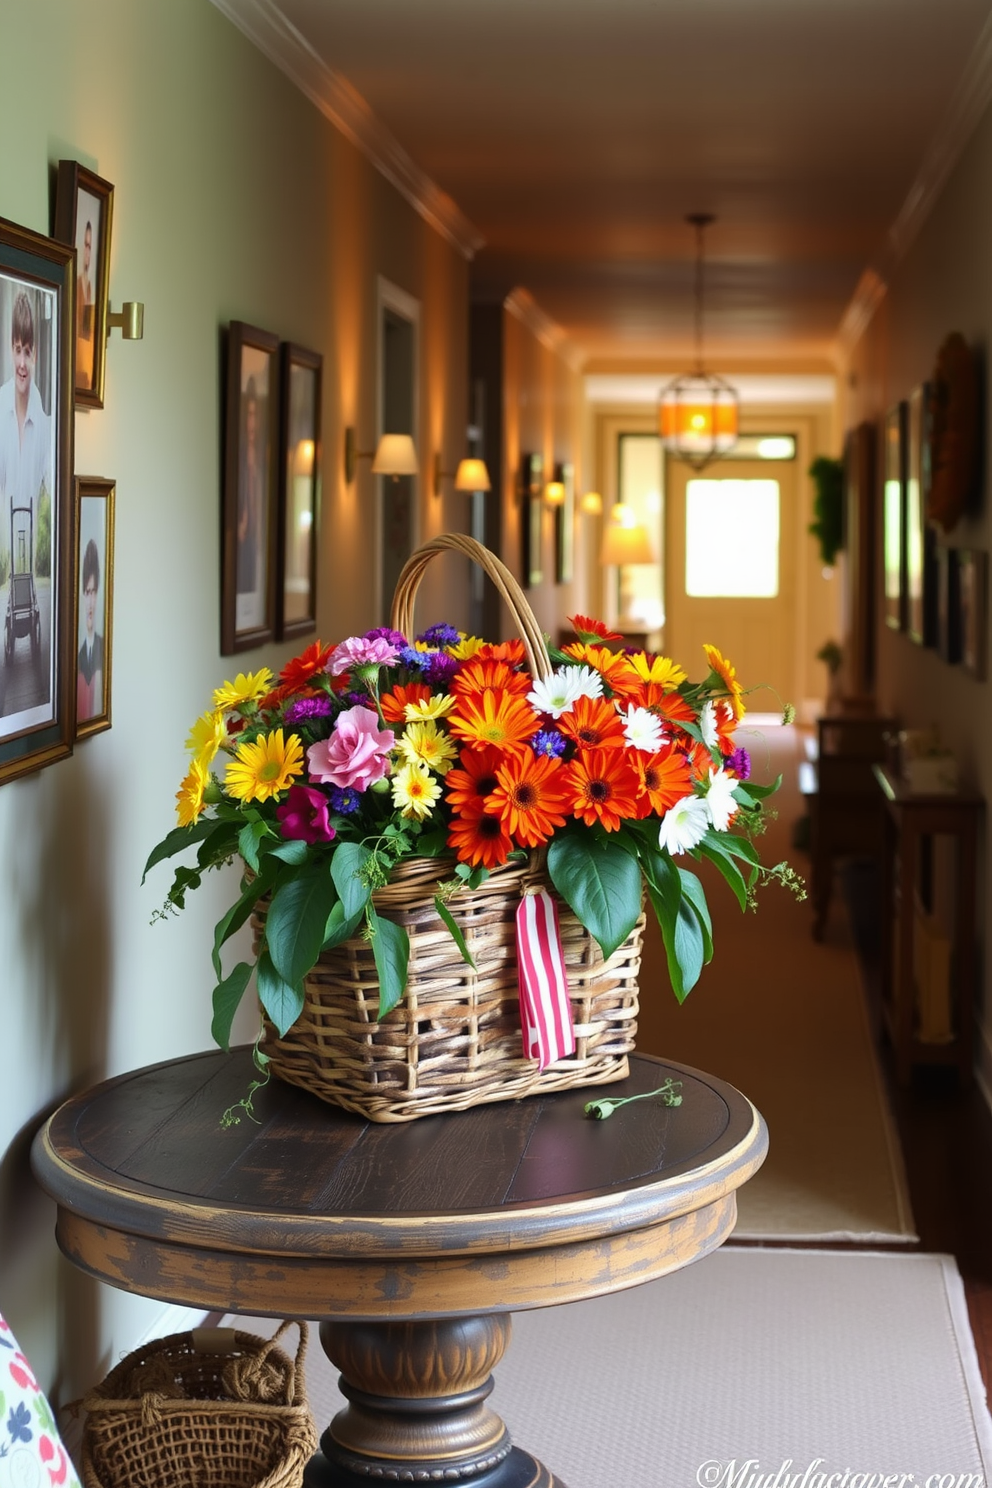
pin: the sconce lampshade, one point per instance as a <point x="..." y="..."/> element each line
<point x="554" y="493"/>
<point x="623" y="545"/>
<point x="395" y="455"/>
<point x="592" y="502"/>
<point x="472" y="475"/>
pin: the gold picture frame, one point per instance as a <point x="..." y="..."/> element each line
<point x="94" y="580"/>
<point x="84" y="210"/>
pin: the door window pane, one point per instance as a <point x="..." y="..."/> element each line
<point x="731" y="539"/>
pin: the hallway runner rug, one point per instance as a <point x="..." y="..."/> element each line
<point x="785" y="1019"/>
<point x="752" y="1367"/>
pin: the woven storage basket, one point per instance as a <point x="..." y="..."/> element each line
<point x="215" y="1408"/>
<point x="454" y="1041"/>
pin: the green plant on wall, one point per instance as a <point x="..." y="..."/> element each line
<point x="828" y="506"/>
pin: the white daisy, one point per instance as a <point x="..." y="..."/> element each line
<point x="707" y="724"/>
<point x="642" y="729"/>
<point x="684" y="825"/>
<point x="589" y="683"/>
<point x="559" y="693"/>
<point x="719" y="799"/>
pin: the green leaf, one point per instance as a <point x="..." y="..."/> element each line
<point x="293" y="851"/>
<point x="338" y="927"/>
<point x="248" y="840"/>
<point x="235" y="917"/>
<point x="227" y="996"/>
<point x="761" y="791"/>
<point x="456" y="933"/>
<point x="735" y="847"/>
<point x="727" y="867"/>
<point x="346" y="866"/>
<point x="282" y="1003"/>
<point x="695" y="894"/>
<point x="681" y="931"/>
<point x="433" y="844"/>
<point x="296" y="922"/>
<point x="601" y="882"/>
<point x="178" y="839"/>
<point x="391" y="949"/>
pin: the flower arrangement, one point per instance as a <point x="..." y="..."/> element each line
<point x="376" y="750"/>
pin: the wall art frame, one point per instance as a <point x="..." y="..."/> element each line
<point x="532" y="519"/>
<point x="921" y="538"/>
<point x="37" y="512"/>
<point x="301" y="378"/>
<point x="94" y="587"/>
<point x="249" y="506"/>
<point x="973" y="587"/>
<point x="84" y="210"/>
<point x="894" y="550"/>
<point x="948" y="606"/>
<point x="565" y="525"/>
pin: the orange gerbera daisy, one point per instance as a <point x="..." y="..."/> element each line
<point x="473" y="779"/>
<point x="496" y="718"/>
<point x="605" y="787"/>
<point x="726" y="724"/>
<point x="665" y="778"/>
<point x="306" y="665"/>
<point x="481" y="671"/>
<point x="594" y="723"/>
<point x="479" y="837"/>
<point x="393" y="704"/>
<point x="613" y="666"/>
<point x="587" y="629"/>
<point x="728" y="676"/>
<point x="514" y="652"/>
<point x="532" y="797"/>
<point x="671" y="706"/>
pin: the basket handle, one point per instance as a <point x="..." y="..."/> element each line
<point x="295" y="1365"/>
<point x="407" y="584"/>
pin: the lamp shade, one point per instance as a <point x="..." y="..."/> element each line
<point x="472" y="475"/>
<point x="592" y="502"/>
<point x="623" y="545"/>
<point x="554" y="493"/>
<point x="396" y="455"/>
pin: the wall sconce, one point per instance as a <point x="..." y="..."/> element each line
<point x="554" y="493"/>
<point x="130" y="322"/>
<point x="394" y="455"/>
<point x="303" y="458"/>
<point x="471" y="475"/>
<point x="592" y="504"/>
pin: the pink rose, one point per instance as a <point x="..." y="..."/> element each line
<point x="303" y="815"/>
<point x="356" y="754"/>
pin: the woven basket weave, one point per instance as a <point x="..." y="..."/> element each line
<point x="454" y="1041"/>
<point x="215" y="1408"/>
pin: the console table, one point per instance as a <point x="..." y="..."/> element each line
<point x="410" y="1243"/>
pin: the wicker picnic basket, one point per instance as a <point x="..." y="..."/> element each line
<point x="454" y="1041"/>
<point x="214" y="1408"/>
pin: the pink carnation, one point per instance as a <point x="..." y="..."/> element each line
<point x="303" y="815"/>
<point x="356" y="754"/>
<point x="359" y="651"/>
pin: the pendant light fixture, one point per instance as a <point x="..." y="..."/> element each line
<point x="697" y="412"/>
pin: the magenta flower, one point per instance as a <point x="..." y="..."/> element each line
<point x="356" y="754"/>
<point x="303" y="815"/>
<point x="359" y="651"/>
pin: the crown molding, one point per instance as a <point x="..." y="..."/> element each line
<point x="278" y="39"/>
<point x="869" y="294"/>
<point x="521" y="304"/>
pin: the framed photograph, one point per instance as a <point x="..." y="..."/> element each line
<point x="948" y="605"/>
<point x="921" y="539"/>
<point x="531" y="515"/>
<point x="565" y="525"/>
<point x="94" y="571"/>
<point x="249" y="550"/>
<point x="894" y="518"/>
<point x="973" y="583"/>
<point x="84" y="206"/>
<point x="299" y="491"/>
<point x="37" y="521"/>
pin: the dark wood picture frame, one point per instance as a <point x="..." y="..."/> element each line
<point x="94" y="586"/>
<point x="973" y="588"/>
<point x="301" y="378"/>
<point x="565" y="525"/>
<point x="859" y="526"/>
<point x="37" y="512"/>
<point x="921" y="539"/>
<point x="894" y="574"/>
<point x="249" y="548"/>
<point x="84" y="210"/>
<point x="531" y="519"/>
<point x="948" y="606"/>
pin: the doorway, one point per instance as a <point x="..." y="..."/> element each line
<point x="398" y="507"/>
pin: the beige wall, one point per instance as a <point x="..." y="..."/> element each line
<point x="943" y="284"/>
<point x="234" y="199"/>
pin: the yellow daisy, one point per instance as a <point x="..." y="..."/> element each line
<point x="415" y="790"/>
<point x="246" y="688"/>
<point x="424" y="743"/>
<point x="189" y="796"/>
<point x="206" y="736"/>
<point x="466" y="647"/>
<point x="661" y="669"/>
<point x="728" y="676"/>
<point x="265" y="768"/>
<point x="429" y="707"/>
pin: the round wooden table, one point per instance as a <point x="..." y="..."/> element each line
<point x="412" y="1243"/>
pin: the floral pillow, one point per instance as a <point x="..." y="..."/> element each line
<point x="31" y="1452"/>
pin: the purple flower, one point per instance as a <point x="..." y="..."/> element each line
<point x="740" y="763"/>
<point x="344" y="800"/>
<point x="440" y="668"/>
<point x="411" y="657"/>
<point x="440" y="635"/>
<point x="357" y="651"/>
<point x="303" y="815"/>
<point x="549" y="742"/>
<point x="357" y="699"/>
<point x="304" y="708"/>
<point x="386" y="633"/>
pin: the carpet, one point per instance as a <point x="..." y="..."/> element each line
<point x="784" y="1018"/>
<point x="748" y="1369"/>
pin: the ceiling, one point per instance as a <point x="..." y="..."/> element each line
<point x="575" y="136"/>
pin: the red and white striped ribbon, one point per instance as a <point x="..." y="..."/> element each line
<point x="545" y="1011"/>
